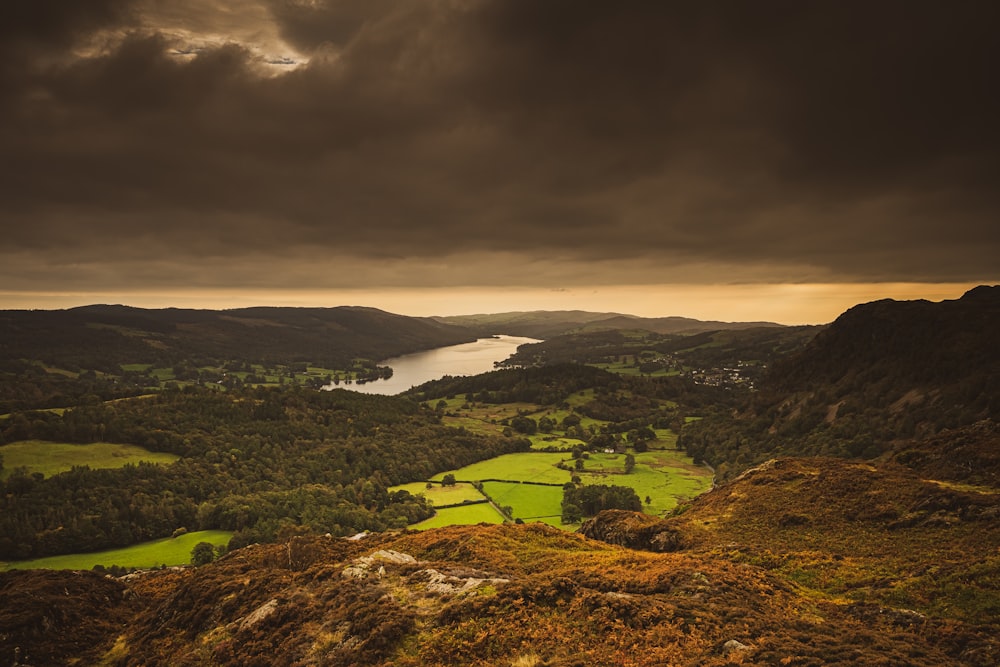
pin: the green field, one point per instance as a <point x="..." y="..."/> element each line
<point x="533" y="467"/>
<point x="529" y="501"/>
<point x="665" y="439"/>
<point x="666" y="477"/>
<point x="52" y="458"/>
<point x="441" y="495"/>
<point x="168" y="551"/>
<point x="461" y="516"/>
<point x="543" y="440"/>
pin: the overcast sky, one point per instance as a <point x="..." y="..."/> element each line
<point x="539" y="151"/>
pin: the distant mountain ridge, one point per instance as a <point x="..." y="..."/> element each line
<point x="122" y="334"/>
<point x="549" y="323"/>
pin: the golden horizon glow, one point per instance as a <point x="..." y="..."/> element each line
<point x="811" y="303"/>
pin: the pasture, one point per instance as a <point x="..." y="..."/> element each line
<point x="461" y="516"/>
<point x="541" y="441"/>
<point x="441" y="495"/>
<point x="529" y="466"/>
<point x="667" y="478"/>
<point x="530" y="502"/>
<point x="52" y="458"/>
<point x="168" y="551"/>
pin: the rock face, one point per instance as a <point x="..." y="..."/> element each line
<point x="633" y="530"/>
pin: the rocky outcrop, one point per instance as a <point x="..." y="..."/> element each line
<point x="634" y="530"/>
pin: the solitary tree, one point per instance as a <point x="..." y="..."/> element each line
<point x="202" y="553"/>
<point x="629" y="463"/>
<point x="448" y="480"/>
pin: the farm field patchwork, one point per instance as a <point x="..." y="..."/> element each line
<point x="52" y="458"/>
<point x="168" y="551"/>
<point x="666" y="477"/>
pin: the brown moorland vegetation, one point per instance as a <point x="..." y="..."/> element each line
<point x="797" y="562"/>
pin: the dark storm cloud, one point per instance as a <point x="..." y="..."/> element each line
<point x="769" y="140"/>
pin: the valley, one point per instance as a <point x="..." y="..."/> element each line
<point x="834" y="501"/>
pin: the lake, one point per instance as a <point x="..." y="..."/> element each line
<point x="411" y="370"/>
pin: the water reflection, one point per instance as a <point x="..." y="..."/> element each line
<point x="466" y="359"/>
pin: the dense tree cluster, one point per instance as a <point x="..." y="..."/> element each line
<point x="583" y="501"/>
<point x="253" y="461"/>
<point x="545" y="386"/>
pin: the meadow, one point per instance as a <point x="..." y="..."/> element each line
<point x="439" y="494"/>
<point x="524" y="467"/>
<point x="529" y="502"/>
<point x="52" y="458"/>
<point x="461" y="516"/>
<point x="665" y="476"/>
<point x="168" y="551"/>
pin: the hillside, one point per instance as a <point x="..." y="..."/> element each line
<point x="895" y="570"/>
<point x="883" y="374"/>
<point x="62" y="358"/>
<point x="104" y="337"/>
<point x="549" y="323"/>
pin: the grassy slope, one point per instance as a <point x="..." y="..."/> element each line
<point x="461" y="516"/>
<point x="439" y="494"/>
<point x="52" y="458"/>
<point x="534" y="467"/>
<point x="168" y="551"/>
<point x="668" y="478"/>
<point x="530" y="502"/>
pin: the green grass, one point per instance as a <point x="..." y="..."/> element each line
<point x="535" y="467"/>
<point x="168" y="551"/>
<point x="441" y="495"/>
<point x="543" y="440"/>
<point x="52" y="458"/>
<point x="666" y="477"/>
<point x="461" y="516"/>
<point x="580" y="398"/>
<point x="665" y="439"/>
<point x="529" y="502"/>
